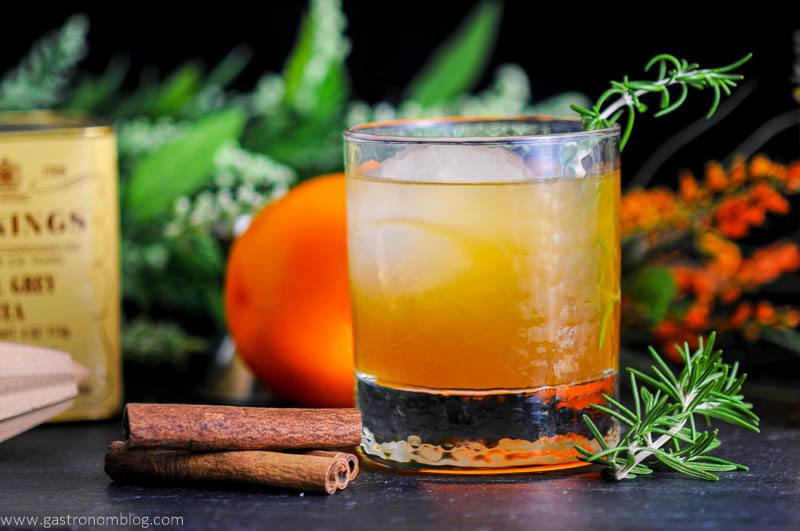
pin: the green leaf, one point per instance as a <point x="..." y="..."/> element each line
<point x="39" y="79"/>
<point x="310" y="148"/>
<point x="296" y="64"/>
<point x="156" y="99"/>
<point x="315" y="75"/>
<point x="176" y="91"/>
<point x="199" y="253"/>
<point x="202" y="258"/>
<point x="332" y="94"/>
<point x="180" y="167"/>
<point x="664" y="427"/>
<point x="93" y="94"/>
<point x="458" y="64"/>
<point x="230" y="67"/>
<point x="135" y="104"/>
<point x="683" y="467"/>
<point x="651" y="290"/>
<point x="788" y="338"/>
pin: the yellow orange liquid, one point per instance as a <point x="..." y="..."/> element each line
<point x="485" y="286"/>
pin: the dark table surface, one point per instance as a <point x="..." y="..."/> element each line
<point x="57" y="470"/>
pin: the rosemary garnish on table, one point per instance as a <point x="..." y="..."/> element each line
<point x="624" y="97"/>
<point x="662" y="427"/>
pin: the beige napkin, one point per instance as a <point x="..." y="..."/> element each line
<point x="34" y="382"/>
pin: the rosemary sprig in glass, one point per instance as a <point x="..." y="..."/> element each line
<point x="662" y="427"/>
<point x="624" y="97"/>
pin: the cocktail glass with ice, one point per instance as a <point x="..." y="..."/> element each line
<point x="484" y="262"/>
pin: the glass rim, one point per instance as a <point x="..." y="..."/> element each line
<point x="361" y="132"/>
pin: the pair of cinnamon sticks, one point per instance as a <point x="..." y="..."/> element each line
<point x="301" y="449"/>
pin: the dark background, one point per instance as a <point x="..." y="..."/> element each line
<point x="560" y="50"/>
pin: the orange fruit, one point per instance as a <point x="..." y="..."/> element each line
<point x="287" y="298"/>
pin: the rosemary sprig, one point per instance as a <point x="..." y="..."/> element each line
<point x="624" y="97"/>
<point x="662" y="427"/>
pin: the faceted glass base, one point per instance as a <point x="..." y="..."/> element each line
<point x="481" y="431"/>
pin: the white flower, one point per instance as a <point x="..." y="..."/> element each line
<point x="358" y="112"/>
<point x="268" y="94"/>
<point x="384" y="111"/>
<point x="156" y="256"/>
<point x="182" y="205"/>
<point x="140" y="136"/>
<point x="279" y="191"/>
<point x="225" y="202"/>
<point x="242" y="183"/>
<point x="241" y="224"/>
<point x="247" y="194"/>
<point x="224" y="178"/>
<point x="172" y="229"/>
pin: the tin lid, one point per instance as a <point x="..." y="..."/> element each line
<point x="50" y="123"/>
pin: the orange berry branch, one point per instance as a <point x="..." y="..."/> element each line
<point x="687" y="266"/>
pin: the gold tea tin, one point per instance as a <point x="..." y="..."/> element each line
<point x="59" y="247"/>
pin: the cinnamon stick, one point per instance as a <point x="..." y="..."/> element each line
<point x="311" y="473"/>
<point x="350" y="459"/>
<point x="205" y="428"/>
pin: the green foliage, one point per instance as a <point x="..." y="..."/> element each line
<point x="176" y="92"/>
<point x="181" y="166"/>
<point x="41" y="76"/>
<point x="662" y="427"/>
<point x="306" y="117"/>
<point x="509" y="94"/>
<point x="787" y="338"/>
<point x="624" y="97"/>
<point x="230" y="67"/>
<point x="151" y="342"/>
<point x="457" y="65"/>
<point x="93" y="94"/>
<point x="169" y="98"/>
<point x="291" y="145"/>
<point x="651" y="290"/>
<point x="138" y="137"/>
<point x="315" y="76"/>
<point x="243" y="183"/>
<point x="179" y="277"/>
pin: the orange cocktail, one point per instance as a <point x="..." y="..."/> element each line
<point x="484" y="265"/>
